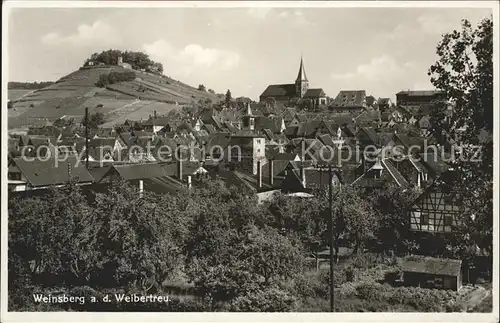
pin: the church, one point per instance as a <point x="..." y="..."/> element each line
<point x="288" y="93"/>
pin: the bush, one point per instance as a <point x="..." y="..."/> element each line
<point x="369" y="291"/>
<point x="452" y="306"/>
<point x="350" y="273"/>
<point x="115" y="77"/>
<point x="421" y="299"/>
<point x="268" y="300"/>
<point x="366" y="260"/>
<point x="312" y="285"/>
<point x="339" y="277"/>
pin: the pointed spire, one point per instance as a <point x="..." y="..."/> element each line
<point x="302" y="72"/>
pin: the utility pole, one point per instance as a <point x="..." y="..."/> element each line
<point x="330" y="233"/>
<point x="87" y="138"/>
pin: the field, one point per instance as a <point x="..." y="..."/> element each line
<point x="139" y="110"/>
<point x="71" y="94"/>
<point x="14" y="94"/>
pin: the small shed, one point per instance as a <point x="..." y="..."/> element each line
<point x="430" y="272"/>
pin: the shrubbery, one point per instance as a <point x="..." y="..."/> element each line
<point x="115" y="77"/>
<point x="311" y="285"/>
<point x="28" y="85"/>
<point x="369" y="291"/>
<point x="366" y="260"/>
<point x="268" y="300"/>
<point x="313" y="291"/>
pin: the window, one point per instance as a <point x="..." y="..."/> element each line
<point x="258" y="150"/>
<point x="424" y="219"/>
<point x="15" y="176"/>
<point x="448" y="220"/>
<point x="258" y="141"/>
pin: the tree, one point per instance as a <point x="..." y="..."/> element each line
<point x="138" y="60"/>
<point x="131" y="240"/>
<point x="156" y="67"/>
<point x="115" y="239"/>
<point x="243" y="99"/>
<point x="43" y="234"/>
<point x="464" y="72"/>
<point x="391" y="206"/>
<point x="230" y="251"/>
<point x="211" y="91"/>
<point x="95" y="120"/>
<point x="353" y="218"/>
<point x="228" y="99"/>
<point x="301" y="217"/>
<point x="271" y="255"/>
<point x="201" y="87"/>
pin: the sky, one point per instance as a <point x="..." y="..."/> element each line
<point x="380" y="50"/>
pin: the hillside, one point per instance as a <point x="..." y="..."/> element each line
<point x="70" y="95"/>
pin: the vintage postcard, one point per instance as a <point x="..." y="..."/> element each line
<point x="250" y="161"/>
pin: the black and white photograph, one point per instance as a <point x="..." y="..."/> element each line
<point x="314" y="159"/>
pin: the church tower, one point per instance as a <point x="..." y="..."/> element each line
<point x="301" y="84"/>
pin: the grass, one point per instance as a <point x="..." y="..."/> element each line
<point x="486" y="306"/>
<point x="141" y="110"/>
<point x="14" y="94"/>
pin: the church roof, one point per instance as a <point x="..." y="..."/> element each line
<point x="314" y="93"/>
<point x="279" y="90"/>
<point x="302" y="72"/>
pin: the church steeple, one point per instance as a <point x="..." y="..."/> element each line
<point x="301" y="77"/>
<point x="301" y="83"/>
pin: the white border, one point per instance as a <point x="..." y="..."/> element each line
<point x="244" y="317"/>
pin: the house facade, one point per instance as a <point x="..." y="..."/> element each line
<point x="434" y="212"/>
<point x="415" y="99"/>
<point x="353" y="102"/>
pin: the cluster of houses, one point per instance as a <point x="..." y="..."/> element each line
<point x="270" y="146"/>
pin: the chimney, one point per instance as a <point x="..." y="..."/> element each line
<point x="154" y="114"/>
<point x="179" y="162"/>
<point x="303" y="175"/>
<point x="141" y="188"/>
<point x="189" y="181"/>
<point x="259" y="173"/>
<point x="271" y="172"/>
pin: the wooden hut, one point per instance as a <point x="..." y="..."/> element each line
<point x="430" y="272"/>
